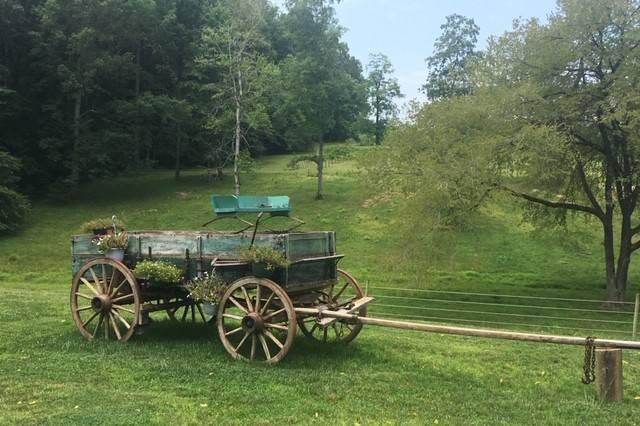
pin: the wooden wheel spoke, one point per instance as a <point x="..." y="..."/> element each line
<point x="273" y="338"/>
<point x="121" y="298"/>
<point x="84" y="296"/>
<point x="314" y="328"/>
<point x="247" y="298"/>
<point x="265" y="347"/>
<point x="122" y="308"/>
<point x="98" y="326"/>
<point x="201" y="313"/>
<point x="234" y="331"/>
<point x="257" y="305"/>
<point x="86" y="282"/>
<point x="184" y="314"/>
<point x="115" y="327"/>
<point x="324" y="334"/>
<point x="335" y="298"/>
<point x="267" y="303"/>
<point x="231" y="316"/>
<point x="84" y="308"/>
<point x="244" y="339"/>
<point x="86" y="323"/>
<point x="95" y="278"/>
<point x="238" y="305"/>
<point x="112" y="280"/>
<point x="193" y="313"/>
<point x="274" y="313"/>
<point x="119" y="286"/>
<point x="276" y="326"/>
<point x="122" y="320"/>
<point x="105" y="286"/>
<point x="253" y="347"/>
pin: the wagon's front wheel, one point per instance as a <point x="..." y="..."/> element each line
<point x="256" y="320"/>
<point x="105" y="300"/>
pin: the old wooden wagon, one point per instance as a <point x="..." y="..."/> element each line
<point x="257" y="318"/>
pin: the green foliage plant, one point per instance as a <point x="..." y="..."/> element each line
<point x="111" y="241"/>
<point x="207" y="288"/>
<point x="268" y="256"/>
<point x="158" y="272"/>
<point x="102" y="226"/>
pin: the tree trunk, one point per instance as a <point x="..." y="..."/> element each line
<point x="320" y="164"/>
<point x="75" y="155"/>
<point x="609" y="254"/>
<point x="378" y="125"/>
<point x="178" y="148"/>
<point x="136" y="129"/>
<point x="236" y="154"/>
<point x="616" y="293"/>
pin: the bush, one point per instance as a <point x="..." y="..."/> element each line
<point x="271" y="257"/>
<point x="158" y="272"/>
<point x="102" y="226"/>
<point x="208" y="288"/>
<point x="14" y="207"/>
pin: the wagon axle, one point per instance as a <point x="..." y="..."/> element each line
<point x="252" y="323"/>
<point x="101" y="303"/>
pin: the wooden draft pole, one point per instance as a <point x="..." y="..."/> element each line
<point x="608" y="352"/>
<point x="477" y="332"/>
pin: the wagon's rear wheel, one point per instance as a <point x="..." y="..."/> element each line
<point x="256" y="320"/>
<point x="105" y="300"/>
<point x="187" y="311"/>
<point x="344" y="292"/>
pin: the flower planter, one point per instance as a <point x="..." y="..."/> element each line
<point x="210" y="308"/>
<point x="261" y="270"/>
<point x="115" y="254"/>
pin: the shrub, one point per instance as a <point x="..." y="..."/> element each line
<point x="267" y="255"/>
<point x="158" y="272"/>
<point x="207" y="288"/>
<point x="106" y="242"/>
<point x="102" y="226"/>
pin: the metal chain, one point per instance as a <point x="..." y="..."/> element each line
<point x="589" y="367"/>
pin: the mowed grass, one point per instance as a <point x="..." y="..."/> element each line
<point x="180" y="374"/>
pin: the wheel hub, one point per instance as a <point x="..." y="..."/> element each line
<point x="252" y="323"/>
<point x="101" y="303"/>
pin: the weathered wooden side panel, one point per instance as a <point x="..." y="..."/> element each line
<point x="194" y="251"/>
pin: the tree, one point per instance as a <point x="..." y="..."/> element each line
<point x="322" y="82"/>
<point x="448" y="67"/>
<point x="382" y="91"/>
<point x="554" y="123"/>
<point x="233" y="43"/>
<point x="13" y="206"/>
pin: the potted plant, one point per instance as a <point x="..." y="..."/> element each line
<point x="158" y="272"/>
<point x="112" y="245"/>
<point x="264" y="260"/>
<point x="102" y="226"/>
<point x="207" y="289"/>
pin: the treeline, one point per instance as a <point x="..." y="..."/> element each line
<point x="96" y="87"/>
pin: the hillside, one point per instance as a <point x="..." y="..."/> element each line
<point x="48" y="373"/>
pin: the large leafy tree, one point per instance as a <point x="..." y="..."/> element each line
<point x="383" y="89"/>
<point x="13" y="206"/>
<point x="554" y="122"/>
<point x="234" y="43"/>
<point x="323" y="83"/>
<point x="448" y="67"/>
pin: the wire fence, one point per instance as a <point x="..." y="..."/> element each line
<point x="559" y="315"/>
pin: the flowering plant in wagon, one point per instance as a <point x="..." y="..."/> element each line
<point x="113" y="244"/>
<point x="207" y="289"/>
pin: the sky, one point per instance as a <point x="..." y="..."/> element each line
<point x="405" y="30"/>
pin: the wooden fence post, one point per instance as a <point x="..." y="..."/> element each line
<point x="609" y="374"/>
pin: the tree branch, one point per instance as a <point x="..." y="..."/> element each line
<point x="553" y="204"/>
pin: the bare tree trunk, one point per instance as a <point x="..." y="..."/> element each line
<point x="320" y="164"/>
<point x="236" y="154"/>
<point x="136" y="129"/>
<point x="178" y="148"/>
<point x="378" y="124"/>
<point x="75" y="155"/>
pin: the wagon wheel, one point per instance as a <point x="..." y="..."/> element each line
<point x="341" y="294"/>
<point x="105" y="300"/>
<point x="256" y="320"/>
<point x="190" y="311"/>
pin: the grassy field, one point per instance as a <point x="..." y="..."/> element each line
<point x="181" y="374"/>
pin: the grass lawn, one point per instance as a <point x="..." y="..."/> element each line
<point x="181" y="374"/>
